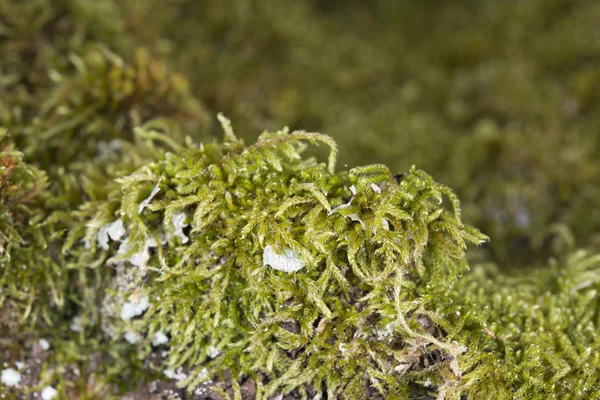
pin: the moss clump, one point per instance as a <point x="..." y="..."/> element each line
<point x="352" y="318"/>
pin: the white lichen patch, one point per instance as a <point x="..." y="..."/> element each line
<point x="178" y="221"/>
<point x="115" y="231"/>
<point x="134" y="307"/>
<point x="48" y="393"/>
<point x="159" y="338"/>
<point x="44" y="344"/>
<point x="10" y="377"/>
<point x="289" y="261"/>
<point x="147" y="201"/>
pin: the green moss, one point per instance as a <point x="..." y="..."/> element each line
<point x="350" y="319"/>
<point x="538" y="334"/>
<point x="144" y="251"/>
<point x="20" y="184"/>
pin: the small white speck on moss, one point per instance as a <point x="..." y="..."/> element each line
<point x="178" y="375"/>
<point x="213" y="352"/>
<point x="10" y="377"/>
<point x="289" y="261"/>
<point x="134" y="308"/>
<point x="147" y="201"/>
<point x="131" y="337"/>
<point x="402" y="368"/>
<point x="151" y="243"/>
<point x="44" y="344"/>
<point x="159" y="338"/>
<point x="203" y="373"/>
<point x="125" y="246"/>
<point x="386" y="333"/>
<point x="115" y="231"/>
<point x="106" y="149"/>
<point x="178" y="221"/>
<point x="48" y="393"/>
<point x="140" y="258"/>
<point x="338" y="208"/>
<point x="76" y="325"/>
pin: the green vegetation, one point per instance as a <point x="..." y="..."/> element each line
<point x="142" y="257"/>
